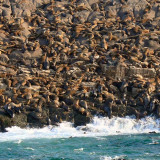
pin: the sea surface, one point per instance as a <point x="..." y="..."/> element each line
<point x="102" y="139"/>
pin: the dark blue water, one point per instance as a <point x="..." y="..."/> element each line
<point x="130" y="147"/>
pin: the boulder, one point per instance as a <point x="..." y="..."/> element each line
<point x="111" y="11"/>
<point x="20" y="120"/>
<point x="92" y="2"/>
<point x="94" y="15"/>
<point x="116" y="72"/>
<point x="152" y="44"/>
<point x="82" y="15"/>
<point x="5" y="121"/>
<point x="4" y="58"/>
<point x="144" y="72"/>
<point x="37" y="53"/>
<point x="81" y="119"/>
<point x="84" y="3"/>
<point x="137" y="7"/>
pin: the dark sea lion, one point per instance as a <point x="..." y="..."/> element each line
<point x="9" y="111"/>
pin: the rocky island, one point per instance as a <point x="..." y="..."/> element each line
<point x="68" y="60"/>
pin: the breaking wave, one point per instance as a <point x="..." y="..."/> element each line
<point x="100" y="126"/>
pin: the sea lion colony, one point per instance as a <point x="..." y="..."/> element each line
<point x="70" y="60"/>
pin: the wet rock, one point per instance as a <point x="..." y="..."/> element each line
<point x="158" y="111"/>
<point x="108" y="108"/>
<point x="36" y="119"/>
<point x="81" y="119"/>
<point x="5" y="121"/>
<point x="20" y="120"/>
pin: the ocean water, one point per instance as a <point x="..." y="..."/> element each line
<point x="102" y="139"/>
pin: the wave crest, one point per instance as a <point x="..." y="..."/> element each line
<point x="100" y="126"/>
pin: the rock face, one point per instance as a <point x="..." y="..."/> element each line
<point x="144" y="72"/>
<point x="70" y="60"/>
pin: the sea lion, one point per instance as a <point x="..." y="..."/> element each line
<point x="76" y="104"/>
<point x="83" y="104"/>
<point x="9" y="110"/>
<point x="152" y="104"/>
<point x="81" y="110"/>
<point x="64" y="106"/>
<point x="108" y="107"/>
<point x="46" y="64"/>
<point x="49" y="121"/>
<point x="146" y="100"/>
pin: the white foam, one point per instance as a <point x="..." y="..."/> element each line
<point x="79" y="149"/>
<point x="29" y="148"/>
<point x="105" y="158"/>
<point x="111" y="158"/>
<point x="98" y="128"/>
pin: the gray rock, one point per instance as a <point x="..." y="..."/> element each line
<point x="92" y="1"/>
<point x="81" y="120"/>
<point x="6" y="12"/>
<point x="20" y="120"/>
<point x="25" y="31"/>
<point x="4" y="58"/>
<point x="84" y="3"/>
<point x="158" y="111"/>
<point x="158" y="11"/>
<point x="94" y="15"/>
<point x="82" y="15"/>
<point x="111" y="11"/>
<point x="26" y="13"/>
<point x="37" y="53"/>
<point x="152" y="44"/>
<point x="88" y="84"/>
<point x="137" y="6"/>
<point x="144" y="72"/>
<point x="15" y="55"/>
<point x="10" y="71"/>
<point x="3" y="86"/>
<point x="66" y="18"/>
<point x="6" y="3"/>
<point x="116" y="72"/>
<point x="26" y="7"/>
<point x="17" y="12"/>
<point x="135" y="91"/>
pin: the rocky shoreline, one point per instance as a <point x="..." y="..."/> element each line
<point x="70" y="60"/>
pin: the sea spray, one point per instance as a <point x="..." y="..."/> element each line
<point x="100" y="126"/>
<point x="127" y="125"/>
